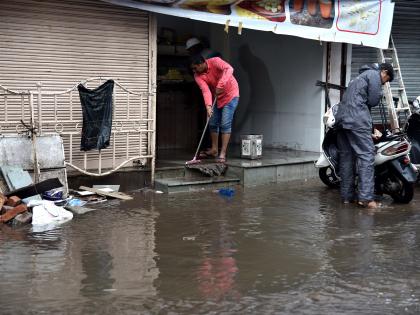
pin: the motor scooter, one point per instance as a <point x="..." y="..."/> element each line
<point x="412" y="128"/>
<point x="395" y="175"/>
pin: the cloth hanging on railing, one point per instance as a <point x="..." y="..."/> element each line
<point x="97" y="116"/>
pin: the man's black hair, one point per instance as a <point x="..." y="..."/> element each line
<point x="389" y="70"/>
<point x="197" y="59"/>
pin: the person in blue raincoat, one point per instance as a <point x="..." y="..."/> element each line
<point x="354" y="137"/>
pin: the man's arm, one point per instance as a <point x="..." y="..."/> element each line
<point x="206" y="95"/>
<point x="374" y="88"/>
<point x="205" y="90"/>
<point x="226" y="70"/>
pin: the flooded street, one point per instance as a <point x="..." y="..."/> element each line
<point x="286" y="248"/>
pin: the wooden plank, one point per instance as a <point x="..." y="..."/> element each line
<point x="118" y="195"/>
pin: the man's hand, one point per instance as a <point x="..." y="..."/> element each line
<point x="376" y="134"/>
<point x="209" y="110"/>
<point x="219" y="91"/>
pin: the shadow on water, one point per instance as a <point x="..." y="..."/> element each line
<point x="290" y="248"/>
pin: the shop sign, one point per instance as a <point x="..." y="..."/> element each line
<point x="359" y="22"/>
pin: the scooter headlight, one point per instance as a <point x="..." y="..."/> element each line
<point x="396" y="149"/>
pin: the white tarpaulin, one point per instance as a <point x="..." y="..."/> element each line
<point x="362" y="22"/>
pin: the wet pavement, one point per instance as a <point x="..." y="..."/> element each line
<point x="279" y="249"/>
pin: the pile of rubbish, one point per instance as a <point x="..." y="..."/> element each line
<point x="31" y="210"/>
<point x="46" y="204"/>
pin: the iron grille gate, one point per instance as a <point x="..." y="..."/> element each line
<point x="132" y="134"/>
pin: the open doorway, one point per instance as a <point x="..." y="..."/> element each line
<point x="179" y="107"/>
<point x="277" y="78"/>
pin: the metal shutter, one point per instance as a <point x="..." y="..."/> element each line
<point x="406" y="34"/>
<point x="60" y="43"/>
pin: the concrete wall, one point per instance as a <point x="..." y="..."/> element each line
<point x="277" y="76"/>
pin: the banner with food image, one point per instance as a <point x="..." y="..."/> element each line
<point x="361" y="22"/>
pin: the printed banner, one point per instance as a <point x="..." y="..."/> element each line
<point x="358" y="22"/>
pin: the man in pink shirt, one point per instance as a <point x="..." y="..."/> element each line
<point x="215" y="79"/>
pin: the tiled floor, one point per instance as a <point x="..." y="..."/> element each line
<point x="270" y="157"/>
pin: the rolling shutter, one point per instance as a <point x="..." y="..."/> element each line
<point x="60" y="43"/>
<point x="406" y="35"/>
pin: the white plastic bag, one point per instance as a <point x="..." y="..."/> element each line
<point x="46" y="212"/>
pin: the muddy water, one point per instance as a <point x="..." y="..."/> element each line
<point x="290" y="249"/>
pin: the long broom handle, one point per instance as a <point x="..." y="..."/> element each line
<point x="205" y="128"/>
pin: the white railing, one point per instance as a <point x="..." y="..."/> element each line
<point x="132" y="134"/>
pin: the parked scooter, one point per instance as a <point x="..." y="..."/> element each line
<point x="395" y="175"/>
<point x="412" y="128"/>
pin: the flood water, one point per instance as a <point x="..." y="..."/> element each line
<point x="278" y="249"/>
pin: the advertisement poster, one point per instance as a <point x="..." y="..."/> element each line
<point x="358" y="22"/>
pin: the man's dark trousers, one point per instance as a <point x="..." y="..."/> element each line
<point x="356" y="144"/>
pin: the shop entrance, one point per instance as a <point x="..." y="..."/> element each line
<point x="277" y="78"/>
<point x="179" y="103"/>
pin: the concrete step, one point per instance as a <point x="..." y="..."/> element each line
<point x="170" y="172"/>
<point x="259" y="173"/>
<point x="183" y="184"/>
<point x="178" y="172"/>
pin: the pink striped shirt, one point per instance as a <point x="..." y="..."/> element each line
<point x="219" y="75"/>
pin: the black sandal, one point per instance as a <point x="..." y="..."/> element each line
<point x="206" y="155"/>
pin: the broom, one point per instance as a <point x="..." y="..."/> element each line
<point x="195" y="160"/>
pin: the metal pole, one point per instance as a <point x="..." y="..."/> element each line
<point x="39" y="87"/>
<point x="37" y="171"/>
<point x="152" y="90"/>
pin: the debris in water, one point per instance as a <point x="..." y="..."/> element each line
<point x="228" y="192"/>
<point x="109" y="290"/>
<point x="188" y="238"/>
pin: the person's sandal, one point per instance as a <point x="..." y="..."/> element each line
<point x="206" y="155"/>
<point x="221" y="160"/>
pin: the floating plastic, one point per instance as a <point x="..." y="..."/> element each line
<point x="53" y="195"/>
<point x="228" y="192"/>
<point x="76" y="203"/>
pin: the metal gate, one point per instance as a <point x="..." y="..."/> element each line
<point x="132" y="134"/>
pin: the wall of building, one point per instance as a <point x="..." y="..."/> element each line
<point x="277" y="76"/>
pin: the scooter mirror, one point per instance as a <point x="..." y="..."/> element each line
<point x="416" y="103"/>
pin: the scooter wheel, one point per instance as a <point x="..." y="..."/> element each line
<point x="327" y="176"/>
<point x="405" y="195"/>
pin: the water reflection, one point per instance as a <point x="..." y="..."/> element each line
<point x="218" y="267"/>
<point x="97" y="267"/>
<point x="275" y="249"/>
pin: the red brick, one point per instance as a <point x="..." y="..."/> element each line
<point x="12" y="213"/>
<point x="13" y="201"/>
<point x="3" y="199"/>
<point x="4" y="209"/>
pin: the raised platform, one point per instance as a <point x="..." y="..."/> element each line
<point x="275" y="166"/>
<point x="181" y="184"/>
